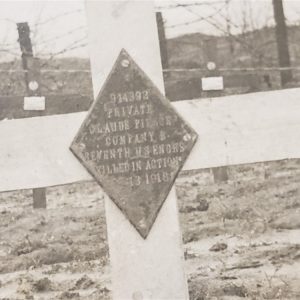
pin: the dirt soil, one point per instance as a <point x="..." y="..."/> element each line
<point x="241" y="237"/>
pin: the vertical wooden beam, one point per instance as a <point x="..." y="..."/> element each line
<point x="211" y="54"/>
<point x="162" y="40"/>
<point x="210" y="50"/>
<point x="141" y="269"/>
<point x="30" y="64"/>
<point x="282" y="42"/>
<point x="220" y="174"/>
<point x="39" y="198"/>
<point x="32" y="81"/>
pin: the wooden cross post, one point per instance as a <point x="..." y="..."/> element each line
<point x="162" y="40"/>
<point x="282" y="42"/>
<point x="33" y="104"/>
<point x="210" y="49"/>
<point x="32" y="81"/>
<point x="211" y="55"/>
<point x="151" y="268"/>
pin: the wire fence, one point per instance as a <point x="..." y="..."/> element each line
<point x="252" y="70"/>
<point x="187" y="56"/>
<point x="215" y="13"/>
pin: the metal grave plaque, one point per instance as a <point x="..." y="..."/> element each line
<point x="134" y="143"/>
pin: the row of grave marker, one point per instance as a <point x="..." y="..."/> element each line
<point x="36" y="104"/>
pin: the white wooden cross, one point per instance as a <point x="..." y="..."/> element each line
<point x="232" y="130"/>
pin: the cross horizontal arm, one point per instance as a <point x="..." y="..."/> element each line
<point x="11" y="107"/>
<point x="232" y="130"/>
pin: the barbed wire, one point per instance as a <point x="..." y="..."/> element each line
<point x="57" y="37"/>
<point x="234" y="69"/>
<point x="59" y="16"/>
<point x="237" y="38"/>
<point x="199" y="19"/>
<point x="187" y="6"/>
<point x="178" y="5"/>
<point x="178" y="70"/>
<point x="8" y="45"/>
<point x="8" y="20"/>
<point x="73" y="46"/>
<point x="10" y="51"/>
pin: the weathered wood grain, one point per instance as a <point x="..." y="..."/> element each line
<point x="151" y="268"/>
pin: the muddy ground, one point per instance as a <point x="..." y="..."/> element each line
<point x="241" y="237"/>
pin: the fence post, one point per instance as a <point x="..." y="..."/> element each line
<point x="32" y="82"/>
<point x="162" y="40"/>
<point x="282" y="42"/>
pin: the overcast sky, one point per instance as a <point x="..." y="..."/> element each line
<point x="57" y="25"/>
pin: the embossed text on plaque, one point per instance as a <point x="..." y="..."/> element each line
<point x="134" y="143"/>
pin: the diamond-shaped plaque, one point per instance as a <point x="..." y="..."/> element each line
<point x="134" y="143"/>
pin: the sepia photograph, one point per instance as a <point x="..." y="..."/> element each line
<point x="150" y="149"/>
